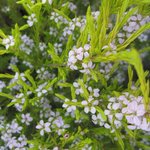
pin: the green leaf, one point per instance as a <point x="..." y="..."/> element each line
<point x="121" y="20"/>
<point x="36" y="9"/>
<point x="85" y="92"/>
<point x="62" y="97"/>
<point x="101" y="112"/>
<point x="120" y="141"/>
<point x="16" y="35"/>
<point x="83" y="39"/>
<point x="2" y="52"/>
<point x="6" y="76"/>
<point x="73" y="95"/>
<point x="94" y="75"/>
<point x="77" y="113"/>
<point x="30" y="78"/>
<point x="84" y="142"/>
<point x="14" y="68"/>
<point x="130" y="132"/>
<point x="62" y="73"/>
<point x="68" y="47"/>
<point x="123" y="8"/>
<point x="24" y="27"/>
<point x="103" y="20"/>
<point x="6" y="95"/>
<point x="2" y="34"/>
<point x="25" y="85"/>
<point x="101" y="131"/>
<point x="54" y="56"/>
<point x="51" y="83"/>
<point x="64" y="84"/>
<point x="102" y="79"/>
<point x="26" y="5"/>
<point x="130" y="76"/>
<point x="91" y="29"/>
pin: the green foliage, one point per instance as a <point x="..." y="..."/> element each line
<point x="65" y="102"/>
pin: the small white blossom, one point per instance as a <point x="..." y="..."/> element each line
<point x="43" y="127"/>
<point x="70" y="108"/>
<point x="2" y="85"/>
<point x="15" y="127"/>
<point x="31" y="20"/>
<point x="89" y="105"/>
<point x="26" y="118"/>
<point x="9" y="41"/>
<point x="49" y="1"/>
<point x="87" y="67"/>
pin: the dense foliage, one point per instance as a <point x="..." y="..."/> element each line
<point x="74" y="75"/>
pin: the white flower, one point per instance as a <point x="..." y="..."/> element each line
<point x="116" y="106"/>
<point x="9" y="41"/>
<point x="72" y="6"/>
<point x="96" y="93"/>
<point x="55" y="148"/>
<point x="31" y="20"/>
<point x="72" y="59"/>
<point x="15" y="127"/>
<point x="59" y="122"/>
<point x="26" y="118"/>
<point x="107" y="112"/>
<point x="140" y="110"/>
<point x="89" y="105"/>
<point x="2" y="85"/>
<point x="84" y="102"/>
<point x="43" y="127"/>
<point x="107" y="126"/>
<point x="49" y="1"/>
<point x="71" y="108"/>
<point x="86" y="109"/>
<point x="75" y="84"/>
<point x="119" y="116"/>
<point x="87" y="67"/>
<point x="117" y="123"/>
<point x="97" y="119"/>
<point x="93" y="110"/>
<point x="87" y="47"/>
<point x="136" y="120"/>
<point x="79" y="53"/>
<point x="12" y="143"/>
<point x="145" y="125"/>
<point x="131" y="127"/>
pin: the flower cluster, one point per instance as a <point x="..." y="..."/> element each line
<point x="44" y="74"/>
<point x="133" y="24"/>
<point x="31" y="20"/>
<point x="55" y="121"/>
<point x="69" y="108"/>
<point x="42" y="89"/>
<point x="129" y="107"/>
<point x="11" y="141"/>
<point x="77" y="55"/>
<point x="27" y="44"/>
<point x="57" y="18"/>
